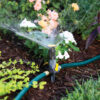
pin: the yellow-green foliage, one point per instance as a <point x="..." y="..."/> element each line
<point x="40" y="85"/>
<point x="13" y="78"/>
<point x="0" y="53"/>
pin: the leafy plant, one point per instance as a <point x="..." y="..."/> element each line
<point x="87" y="91"/>
<point x="86" y="16"/>
<point x="13" y="78"/>
<point x="95" y="32"/>
<point x="79" y="21"/>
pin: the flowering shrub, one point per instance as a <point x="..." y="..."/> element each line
<point x="45" y="15"/>
<point x="48" y="23"/>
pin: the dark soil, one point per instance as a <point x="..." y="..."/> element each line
<point x="65" y="79"/>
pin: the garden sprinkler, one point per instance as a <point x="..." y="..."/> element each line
<point x="52" y="62"/>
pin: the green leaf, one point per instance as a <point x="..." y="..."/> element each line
<point x="73" y="46"/>
<point x="21" y="61"/>
<point x="41" y="84"/>
<point x="35" y="84"/>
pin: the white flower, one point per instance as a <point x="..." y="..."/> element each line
<point x="60" y="56"/>
<point x="68" y="36"/>
<point x="66" y="55"/>
<point x="26" y="23"/>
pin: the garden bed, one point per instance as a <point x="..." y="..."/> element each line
<point x="11" y="48"/>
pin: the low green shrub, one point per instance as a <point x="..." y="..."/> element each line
<point x="87" y="16"/>
<point x="89" y="90"/>
<point x="80" y="20"/>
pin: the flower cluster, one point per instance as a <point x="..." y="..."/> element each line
<point x="68" y="37"/>
<point x="61" y="56"/>
<point x="37" y="5"/>
<point x="49" y="22"/>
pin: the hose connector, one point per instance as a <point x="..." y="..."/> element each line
<point x="57" y="68"/>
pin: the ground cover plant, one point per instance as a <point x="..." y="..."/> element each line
<point x="88" y="90"/>
<point x="13" y="78"/>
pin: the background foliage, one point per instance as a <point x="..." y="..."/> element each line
<point x="69" y="20"/>
<point x="80" y="21"/>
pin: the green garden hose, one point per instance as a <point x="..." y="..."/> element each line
<point x="37" y="78"/>
<point x="46" y="73"/>
<point x="82" y="63"/>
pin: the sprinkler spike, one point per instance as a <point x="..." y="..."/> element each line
<point x="52" y="63"/>
<point x="53" y="78"/>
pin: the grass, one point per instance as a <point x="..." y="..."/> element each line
<point x="90" y="90"/>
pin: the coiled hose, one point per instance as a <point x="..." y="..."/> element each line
<point x="46" y="73"/>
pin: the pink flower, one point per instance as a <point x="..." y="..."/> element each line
<point x="37" y="6"/>
<point x="31" y="0"/>
<point x="53" y="24"/>
<point x="49" y="12"/>
<point x="38" y="0"/>
<point x="54" y="15"/>
<point x="43" y="17"/>
<point x="49" y="22"/>
<point x="47" y="30"/>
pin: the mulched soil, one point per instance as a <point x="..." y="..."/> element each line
<point x="13" y="48"/>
